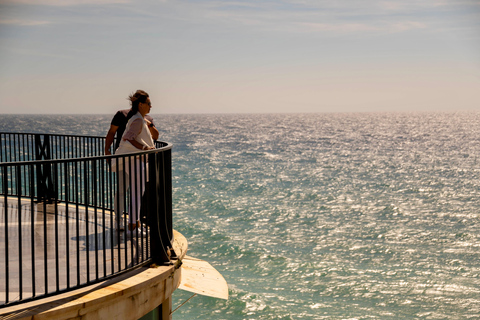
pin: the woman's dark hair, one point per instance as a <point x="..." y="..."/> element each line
<point x="136" y="98"/>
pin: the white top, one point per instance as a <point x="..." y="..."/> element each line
<point x="140" y="133"/>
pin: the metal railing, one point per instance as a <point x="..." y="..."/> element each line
<point x="66" y="209"/>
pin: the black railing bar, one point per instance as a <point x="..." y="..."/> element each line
<point x="95" y="190"/>
<point x="127" y="227"/>
<point x="57" y="143"/>
<point x="96" y="146"/>
<point x="68" y="146"/>
<point x="67" y="220"/>
<point x="61" y="147"/>
<point x="80" y="147"/>
<point x="27" y="146"/>
<point x="77" y="222"/>
<point x="143" y="186"/>
<point x="108" y="196"/>
<point x="121" y="214"/>
<point x="32" y="144"/>
<point x="22" y="182"/>
<point x="53" y="145"/>
<point x="20" y="253"/>
<point x="132" y="208"/>
<point x="75" y="149"/>
<point x="5" y="144"/>
<point x="139" y="214"/>
<point x="146" y="186"/>
<point x="23" y="174"/>
<point x="102" y="190"/>
<point x="45" y="257"/>
<point x="147" y="223"/>
<point x="164" y="189"/>
<point x="113" y="218"/>
<point x="32" y="228"/>
<point x="88" y="147"/>
<point x="4" y="151"/>
<point x="60" y="150"/>
<point x="55" y="203"/>
<point x="25" y="143"/>
<point x="7" y="275"/>
<point x="87" y="238"/>
<point x="12" y="154"/>
<point x="22" y="147"/>
<point x="15" y="142"/>
<point x="134" y="192"/>
<point x="138" y="172"/>
<point x="164" y="203"/>
<point x="65" y="147"/>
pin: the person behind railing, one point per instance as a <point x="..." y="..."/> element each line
<point x="118" y="124"/>
<point x="137" y="137"/>
<point x="117" y="127"/>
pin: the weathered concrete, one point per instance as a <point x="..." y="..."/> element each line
<point x="129" y="296"/>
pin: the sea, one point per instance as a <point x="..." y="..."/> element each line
<point x="321" y="216"/>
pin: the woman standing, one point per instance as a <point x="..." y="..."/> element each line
<point x="137" y="137"/>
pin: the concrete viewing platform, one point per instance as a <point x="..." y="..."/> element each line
<point x="128" y="296"/>
<point x="54" y="264"/>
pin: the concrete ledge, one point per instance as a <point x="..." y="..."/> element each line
<point x="128" y="296"/>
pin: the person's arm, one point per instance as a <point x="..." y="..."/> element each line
<point x="133" y="131"/>
<point x="109" y="138"/>
<point x="153" y="130"/>
<point x="138" y="145"/>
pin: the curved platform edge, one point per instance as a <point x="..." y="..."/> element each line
<point x="128" y="296"/>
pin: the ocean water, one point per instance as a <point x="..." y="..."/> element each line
<point x="322" y="216"/>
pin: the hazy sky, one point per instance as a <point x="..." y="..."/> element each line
<point x="201" y="56"/>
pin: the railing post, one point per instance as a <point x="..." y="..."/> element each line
<point x="159" y="206"/>
<point x="46" y="189"/>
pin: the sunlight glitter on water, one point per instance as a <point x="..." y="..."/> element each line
<point x="327" y="216"/>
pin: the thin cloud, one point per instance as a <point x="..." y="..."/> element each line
<point x="63" y="3"/>
<point x="311" y="16"/>
<point x="338" y="17"/>
<point x="350" y="28"/>
<point x="27" y="23"/>
<point x="337" y="28"/>
<point x="407" y="25"/>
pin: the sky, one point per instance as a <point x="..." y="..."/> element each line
<point x="239" y="56"/>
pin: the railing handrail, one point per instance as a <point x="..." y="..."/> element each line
<point x="166" y="146"/>
<point x="87" y="183"/>
<point x="30" y="162"/>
